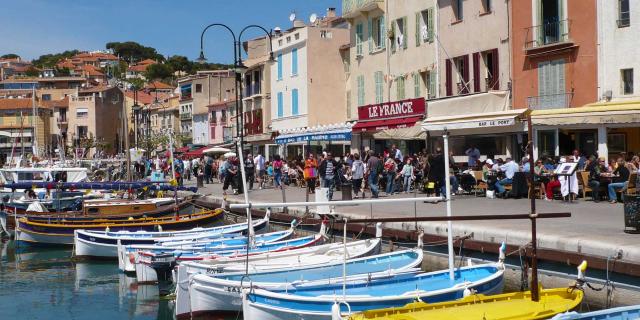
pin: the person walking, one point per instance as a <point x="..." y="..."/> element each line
<point x="310" y="173"/>
<point x="277" y="171"/>
<point x="249" y="170"/>
<point x="260" y="169"/>
<point x="357" y="174"/>
<point x="437" y="173"/>
<point x="407" y="175"/>
<point x="230" y="174"/>
<point x="187" y="168"/>
<point x="390" y="172"/>
<point x="328" y="169"/>
<point x="373" y="171"/>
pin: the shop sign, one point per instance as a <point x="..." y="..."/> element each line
<point x="337" y="136"/>
<point x="497" y="123"/>
<point x="396" y="109"/>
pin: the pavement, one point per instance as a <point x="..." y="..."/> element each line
<point x="594" y="229"/>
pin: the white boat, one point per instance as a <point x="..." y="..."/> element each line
<point x="44" y="174"/>
<point x="105" y="244"/>
<point x="223" y="292"/>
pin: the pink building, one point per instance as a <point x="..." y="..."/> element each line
<point x="220" y="124"/>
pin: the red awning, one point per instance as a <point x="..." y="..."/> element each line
<point x="182" y="149"/>
<point x="195" y="153"/>
<point x="376" y="125"/>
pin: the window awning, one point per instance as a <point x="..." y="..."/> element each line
<point x="624" y="112"/>
<point x="491" y="120"/>
<point x="375" y="125"/>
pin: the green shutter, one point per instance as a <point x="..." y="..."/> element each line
<point x="383" y="32"/>
<point x="370" y="32"/>
<point x="432" y="84"/>
<point x="406" y="33"/>
<point x="417" y="29"/>
<point x="430" y="24"/>
<point x="416" y="85"/>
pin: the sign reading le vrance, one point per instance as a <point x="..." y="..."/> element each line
<point x="396" y="109"/>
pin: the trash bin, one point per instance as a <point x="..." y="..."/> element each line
<point x="346" y="191"/>
<point x="632" y="213"/>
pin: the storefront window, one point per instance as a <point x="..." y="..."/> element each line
<point x="546" y="143"/>
<point x="489" y="146"/>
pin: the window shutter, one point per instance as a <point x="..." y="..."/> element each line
<point x="370" y="32"/>
<point x="449" y="80"/>
<point x="432" y="84"/>
<point x="476" y="72"/>
<point x="258" y="121"/>
<point x="393" y="33"/>
<point x="465" y="73"/>
<point x="383" y="32"/>
<point x="430" y="24"/>
<point x="496" y="70"/>
<point x="418" y="29"/>
<point x="406" y="32"/>
<point x="416" y="85"/>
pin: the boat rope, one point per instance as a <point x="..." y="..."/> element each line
<point x="461" y="253"/>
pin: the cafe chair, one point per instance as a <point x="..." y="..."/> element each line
<point x="583" y="178"/>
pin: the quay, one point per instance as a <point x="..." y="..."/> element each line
<point x="594" y="232"/>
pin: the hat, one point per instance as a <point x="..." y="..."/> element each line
<point x="489" y="161"/>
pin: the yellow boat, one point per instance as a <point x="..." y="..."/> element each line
<point x="508" y="306"/>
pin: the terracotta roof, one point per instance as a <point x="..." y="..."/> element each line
<point x="221" y="103"/>
<point x="147" y="61"/>
<point x="9" y="104"/>
<point x="66" y="64"/>
<point x="96" y="89"/>
<point x="91" y="70"/>
<point x="158" y="85"/>
<point x="143" y="97"/>
<point x="55" y="103"/>
<point x="139" y="67"/>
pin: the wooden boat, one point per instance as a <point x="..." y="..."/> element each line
<point x="61" y="231"/>
<point x="223" y="292"/>
<point x="620" y="313"/>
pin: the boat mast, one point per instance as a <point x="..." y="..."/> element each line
<point x="21" y="138"/>
<point x="534" y="245"/>
<point x="34" y="123"/>
<point x="447" y="183"/>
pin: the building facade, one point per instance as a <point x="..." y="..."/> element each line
<point x="20" y="130"/>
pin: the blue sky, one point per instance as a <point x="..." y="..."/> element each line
<point x="31" y="28"/>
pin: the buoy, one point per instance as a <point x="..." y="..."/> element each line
<point x="335" y="311"/>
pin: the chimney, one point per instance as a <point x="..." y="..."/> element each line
<point x="331" y="12"/>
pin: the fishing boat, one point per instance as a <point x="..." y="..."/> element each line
<point x="222" y="292"/>
<point x="91" y="243"/>
<point x="34" y="175"/>
<point x="508" y="306"/>
<point x="61" y="231"/>
<point x="620" y="313"/>
<point x="144" y="261"/>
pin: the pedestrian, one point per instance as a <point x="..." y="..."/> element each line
<point x="260" y="168"/>
<point x="509" y="168"/>
<point x="249" y="170"/>
<point x="436" y="171"/>
<point x="328" y="169"/>
<point x="357" y="174"/>
<point x="310" y="173"/>
<point x="390" y="172"/>
<point x="407" y="175"/>
<point x="395" y="153"/>
<point x="277" y="171"/>
<point x="187" y="168"/>
<point x="373" y="171"/>
<point x="207" y="169"/>
<point x="230" y="173"/>
<point x="473" y="155"/>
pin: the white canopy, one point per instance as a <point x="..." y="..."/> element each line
<point x="216" y="150"/>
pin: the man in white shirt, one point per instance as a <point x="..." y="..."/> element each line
<point x="509" y="168"/>
<point x="258" y="161"/>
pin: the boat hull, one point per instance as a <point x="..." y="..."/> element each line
<point x="620" y="313"/>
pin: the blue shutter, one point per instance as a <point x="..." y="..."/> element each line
<point x="280" y="66"/>
<point x="294" y="102"/>
<point x="294" y="62"/>
<point x="280" y="105"/>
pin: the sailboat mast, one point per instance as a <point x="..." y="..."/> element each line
<point x="447" y="183"/>
<point x="34" y="123"/>
<point x="21" y="136"/>
<point x="534" y="241"/>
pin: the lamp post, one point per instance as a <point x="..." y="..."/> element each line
<point x="239" y="68"/>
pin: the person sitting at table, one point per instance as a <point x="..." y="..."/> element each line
<point x="539" y="174"/>
<point x="549" y="164"/>
<point x="509" y="169"/>
<point x="620" y="180"/>
<point x="595" y="168"/>
<point x="525" y="166"/>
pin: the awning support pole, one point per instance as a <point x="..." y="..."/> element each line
<point x="447" y="184"/>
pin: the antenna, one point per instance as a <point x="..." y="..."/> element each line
<point x="313" y="18"/>
<point x="292" y="16"/>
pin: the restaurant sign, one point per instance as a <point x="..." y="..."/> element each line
<point x="389" y="110"/>
<point x="332" y="136"/>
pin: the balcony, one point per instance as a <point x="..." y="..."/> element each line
<point x="551" y="101"/>
<point x="185" y="116"/>
<point x="351" y="8"/>
<point x="548" y="37"/>
<point x="82" y="98"/>
<point x="62" y="120"/>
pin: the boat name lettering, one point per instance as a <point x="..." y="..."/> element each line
<point x="232" y="289"/>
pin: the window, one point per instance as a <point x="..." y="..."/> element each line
<point x="492" y="77"/>
<point x="294" y="62"/>
<point x="400" y="88"/>
<point x="457" y="9"/>
<point x="360" y="90"/>
<point x="223" y="116"/>
<point x="214" y="118"/>
<point x="280" y="105"/>
<point x="378" y="77"/>
<point x="627" y="81"/>
<point x="376" y="33"/>
<point x="280" y="43"/>
<point x="46" y="97"/>
<point x="431" y="84"/>
<point x="279" y="66"/>
<point x="462" y="73"/>
<point x="424" y="26"/>
<point x="83" y="131"/>
<point x="624" y="16"/>
<point x="296" y="36"/>
<point x="82" y="113"/>
<point x="416" y="85"/>
<point x="288" y="39"/>
<point x="198" y="87"/>
<point x="294" y="102"/>
<point x="359" y="36"/>
<point x="551" y="86"/>
<point x="486" y="5"/>
<point x="325" y="34"/>
<point x="399" y="34"/>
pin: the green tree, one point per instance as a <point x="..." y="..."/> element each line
<point x="136" y="84"/>
<point x="32" y="72"/>
<point x="180" y="63"/>
<point x="133" y="51"/>
<point x="62" y="72"/>
<point x="50" y="60"/>
<point x="9" y="56"/>
<point x="159" y="71"/>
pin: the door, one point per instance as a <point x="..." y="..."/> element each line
<point x="587" y="143"/>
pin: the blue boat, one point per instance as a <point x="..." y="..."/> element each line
<point x="315" y="302"/>
<point x="221" y="292"/>
<point x="621" y="313"/>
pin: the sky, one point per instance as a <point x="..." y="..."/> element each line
<point x="31" y="28"/>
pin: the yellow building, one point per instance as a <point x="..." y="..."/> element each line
<point x="18" y="128"/>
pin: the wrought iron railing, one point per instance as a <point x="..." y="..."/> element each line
<point x="550" y="101"/>
<point x="349" y="6"/>
<point x="547" y="34"/>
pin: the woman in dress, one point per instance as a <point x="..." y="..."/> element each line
<point x="310" y="173"/>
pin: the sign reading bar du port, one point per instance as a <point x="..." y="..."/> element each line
<point x="389" y="110"/>
<point x="496" y="123"/>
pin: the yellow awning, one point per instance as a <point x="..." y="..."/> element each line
<point x="489" y="120"/>
<point x="619" y="112"/>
